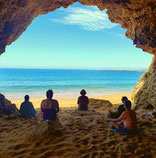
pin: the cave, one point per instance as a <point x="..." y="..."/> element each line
<point x="137" y="17"/>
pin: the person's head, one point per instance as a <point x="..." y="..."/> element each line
<point x="49" y="94"/>
<point x="26" y="97"/>
<point x="83" y="92"/>
<point x="123" y="99"/>
<point x="127" y="104"/>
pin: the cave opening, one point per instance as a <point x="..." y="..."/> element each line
<point x="95" y="29"/>
<point x="68" y="50"/>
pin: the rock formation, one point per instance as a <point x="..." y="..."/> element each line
<point x="144" y="93"/>
<point x="6" y="107"/>
<point x="137" y="16"/>
<point x="99" y="104"/>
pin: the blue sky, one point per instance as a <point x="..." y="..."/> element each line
<point x="78" y="37"/>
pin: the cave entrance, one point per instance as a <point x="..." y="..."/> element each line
<point x="78" y="37"/>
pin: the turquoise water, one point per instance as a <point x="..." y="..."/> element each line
<point x="15" y="83"/>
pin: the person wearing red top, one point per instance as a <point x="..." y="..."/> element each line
<point x="129" y="118"/>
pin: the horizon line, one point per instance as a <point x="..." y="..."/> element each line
<point x="143" y="69"/>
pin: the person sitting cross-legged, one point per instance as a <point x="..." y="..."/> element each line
<point x="27" y="109"/>
<point x="83" y="101"/>
<point x="129" y="117"/>
<point x="49" y="107"/>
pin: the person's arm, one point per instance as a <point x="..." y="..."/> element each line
<point x="33" y="110"/>
<point x="116" y="111"/>
<point x="42" y="106"/>
<point x="78" y="101"/>
<point x="87" y="101"/>
<point x="57" y="106"/>
<point x="119" y="119"/>
<point x="21" y="107"/>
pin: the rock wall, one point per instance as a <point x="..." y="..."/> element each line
<point x="144" y="93"/>
<point x="137" y="16"/>
<point x="99" y="104"/>
<point x="6" y="107"/>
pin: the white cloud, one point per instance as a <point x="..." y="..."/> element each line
<point x="88" y="18"/>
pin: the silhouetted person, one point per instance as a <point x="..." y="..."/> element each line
<point x="120" y="110"/>
<point x="129" y="118"/>
<point x="27" y="109"/>
<point x="49" y="107"/>
<point x="83" y="101"/>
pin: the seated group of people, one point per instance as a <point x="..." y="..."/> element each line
<point x="50" y="108"/>
<point x="124" y="119"/>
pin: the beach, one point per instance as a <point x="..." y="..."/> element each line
<point x="83" y="135"/>
<point x="72" y="102"/>
<point x="77" y="134"/>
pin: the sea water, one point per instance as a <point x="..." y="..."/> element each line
<point x="15" y="83"/>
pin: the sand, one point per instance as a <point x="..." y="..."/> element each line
<point x="72" y="102"/>
<point x="85" y="136"/>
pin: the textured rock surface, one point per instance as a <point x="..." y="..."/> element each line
<point x="144" y="93"/>
<point x="137" y="16"/>
<point x="98" y="104"/>
<point x="6" y="107"/>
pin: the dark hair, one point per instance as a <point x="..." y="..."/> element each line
<point x="128" y="104"/>
<point x="26" y="97"/>
<point x="49" y="94"/>
<point x="83" y="92"/>
<point x="124" y="98"/>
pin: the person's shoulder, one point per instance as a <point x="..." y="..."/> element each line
<point x="30" y="103"/>
<point x="54" y="100"/>
<point x="125" y="113"/>
<point x="129" y="112"/>
<point x="83" y="96"/>
<point x="132" y="111"/>
<point x="22" y="102"/>
<point x="79" y="97"/>
<point x="86" y="98"/>
<point x="43" y="101"/>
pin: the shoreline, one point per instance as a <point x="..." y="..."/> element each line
<point x="72" y="102"/>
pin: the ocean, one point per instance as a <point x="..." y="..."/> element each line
<point x="15" y="83"/>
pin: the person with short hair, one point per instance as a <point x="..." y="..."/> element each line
<point x="83" y="101"/>
<point x="27" y="109"/>
<point x="120" y="109"/>
<point x="49" y="107"/>
<point x="129" y="118"/>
